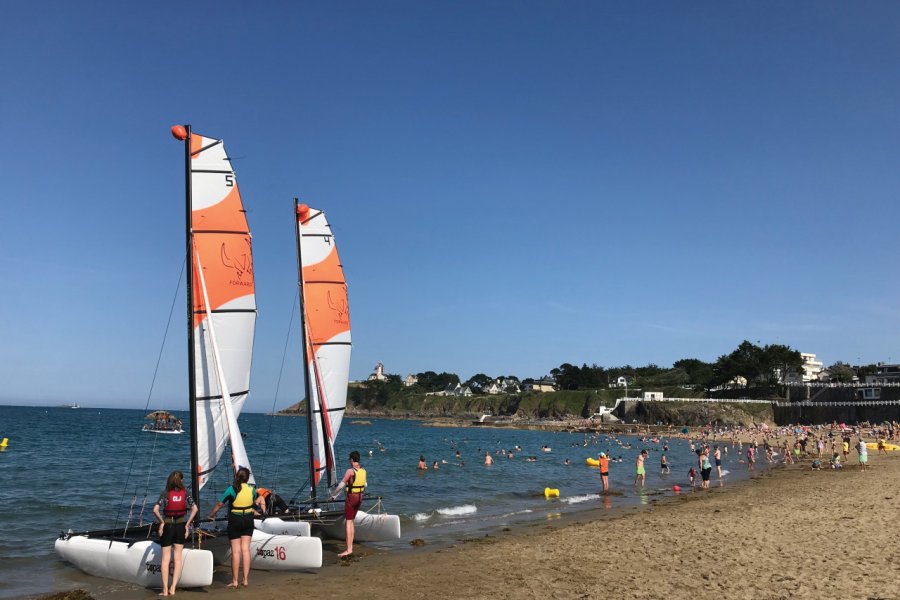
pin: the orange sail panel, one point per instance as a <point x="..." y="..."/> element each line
<point x="222" y="248"/>
<point x="327" y="333"/>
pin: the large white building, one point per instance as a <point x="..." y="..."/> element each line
<point x="811" y="369"/>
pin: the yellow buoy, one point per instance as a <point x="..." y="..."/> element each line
<point x="4" y="443"/>
<point x="551" y="493"/>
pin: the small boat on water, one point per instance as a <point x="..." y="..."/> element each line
<point x="74" y="405"/>
<point x="163" y="422"/>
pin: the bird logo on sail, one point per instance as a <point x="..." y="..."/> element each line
<point x="241" y="262"/>
<point x="343" y="311"/>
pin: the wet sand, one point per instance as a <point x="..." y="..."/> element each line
<point x="788" y="533"/>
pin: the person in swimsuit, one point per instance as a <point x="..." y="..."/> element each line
<point x="717" y="456"/>
<point x="241" y="497"/>
<point x="604" y="471"/>
<point x="663" y="464"/>
<point x="354" y="480"/>
<point x="705" y="468"/>
<point x="640" y="473"/>
<point x="423" y="466"/>
<point x="488" y="459"/>
<point x="174" y="503"/>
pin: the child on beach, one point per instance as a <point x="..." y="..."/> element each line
<point x="692" y="473"/>
<point x="836" y="461"/>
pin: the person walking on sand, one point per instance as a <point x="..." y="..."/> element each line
<point x="863" y="454"/>
<point x="355" y="481"/>
<point x="241" y="497"/>
<point x="604" y="471"/>
<point x="172" y="509"/>
<point x="640" y="474"/>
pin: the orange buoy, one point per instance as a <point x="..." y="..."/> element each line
<point x="302" y="212"/>
<point x="179" y="132"/>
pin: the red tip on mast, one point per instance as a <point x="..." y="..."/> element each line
<point x="179" y="132"/>
<point x="302" y="212"/>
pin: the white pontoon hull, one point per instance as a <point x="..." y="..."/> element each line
<point x="369" y="527"/>
<point x="137" y="562"/>
<point x="273" y="552"/>
<point x="279" y="526"/>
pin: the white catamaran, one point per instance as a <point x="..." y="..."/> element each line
<point x="325" y="329"/>
<point x="223" y="316"/>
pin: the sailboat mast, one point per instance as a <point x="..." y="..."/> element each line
<point x="192" y="384"/>
<point x="308" y="384"/>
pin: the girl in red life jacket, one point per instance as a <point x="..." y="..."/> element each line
<point x="172" y="509"/>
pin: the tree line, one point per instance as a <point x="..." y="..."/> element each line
<point x="749" y="365"/>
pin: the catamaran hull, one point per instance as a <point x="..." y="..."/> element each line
<point x="270" y="552"/>
<point x="369" y="527"/>
<point x="278" y="526"/>
<point x="137" y="562"/>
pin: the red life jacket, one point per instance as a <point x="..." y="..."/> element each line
<point x="176" y="503"/>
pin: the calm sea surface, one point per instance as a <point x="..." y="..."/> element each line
<point x="93" y="468"/>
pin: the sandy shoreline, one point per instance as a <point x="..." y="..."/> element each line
<point x="788" y="533"/>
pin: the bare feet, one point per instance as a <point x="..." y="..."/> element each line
<point x="233" y="584"/>
<point x="345" y="553"/>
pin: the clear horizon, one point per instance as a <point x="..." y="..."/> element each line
<point x="511" y="187"/>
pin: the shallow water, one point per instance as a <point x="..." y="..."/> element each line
<point x="95" y="468"/>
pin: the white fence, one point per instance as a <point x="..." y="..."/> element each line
<point x="854" y="403"/>
<point x="706" y="400"/>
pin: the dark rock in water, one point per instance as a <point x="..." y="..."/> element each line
<point x="417" y="542"/>
<point x="70" y="595"/>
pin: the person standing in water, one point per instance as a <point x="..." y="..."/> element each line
<point x="241" y="496"/>
<point x="717" y="456"/>
<point x="604" y="471"/>
<point x="354" y="480"/>
<point x="423" y="466"/>
<point x="640" y="474"/>
<point x="174" y="503"/>
<point x="488" y="459"/>
<point x="663" y="464"/>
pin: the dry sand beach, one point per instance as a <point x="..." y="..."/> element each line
<point x="788" y="533"/>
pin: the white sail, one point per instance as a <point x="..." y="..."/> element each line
<point x="221" y="241"/>
<point x="327" y="334"/>
<point x="238" y="453"/>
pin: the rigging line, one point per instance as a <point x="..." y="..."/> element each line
<point x="150" y="393"/>
<point x="287" y="339"/>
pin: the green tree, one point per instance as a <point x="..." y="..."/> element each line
<point x="841" y="372"/>
<point x="777" y="362"/>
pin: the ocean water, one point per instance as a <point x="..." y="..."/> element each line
<point x="89" y="468"/>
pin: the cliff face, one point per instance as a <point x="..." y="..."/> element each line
<point x="694" y="414"/>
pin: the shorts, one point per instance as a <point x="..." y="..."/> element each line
<point x="705" y="473"/>
<point x="863" y="458"/>
<point x="718" y="462"/>
<point x="239" y="525"/>
<point x="641" y="471"/>
<point x="606" y="474"/>
<point x="351" y="505"/>
<point x="173" y="533"/>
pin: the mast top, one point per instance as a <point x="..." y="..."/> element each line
<point x="179" y="132"/>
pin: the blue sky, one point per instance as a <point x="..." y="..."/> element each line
<point x="512" y="185"/>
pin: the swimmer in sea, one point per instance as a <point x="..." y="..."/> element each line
<point x="488" y="460"/>
<point x="423" y="466"/>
